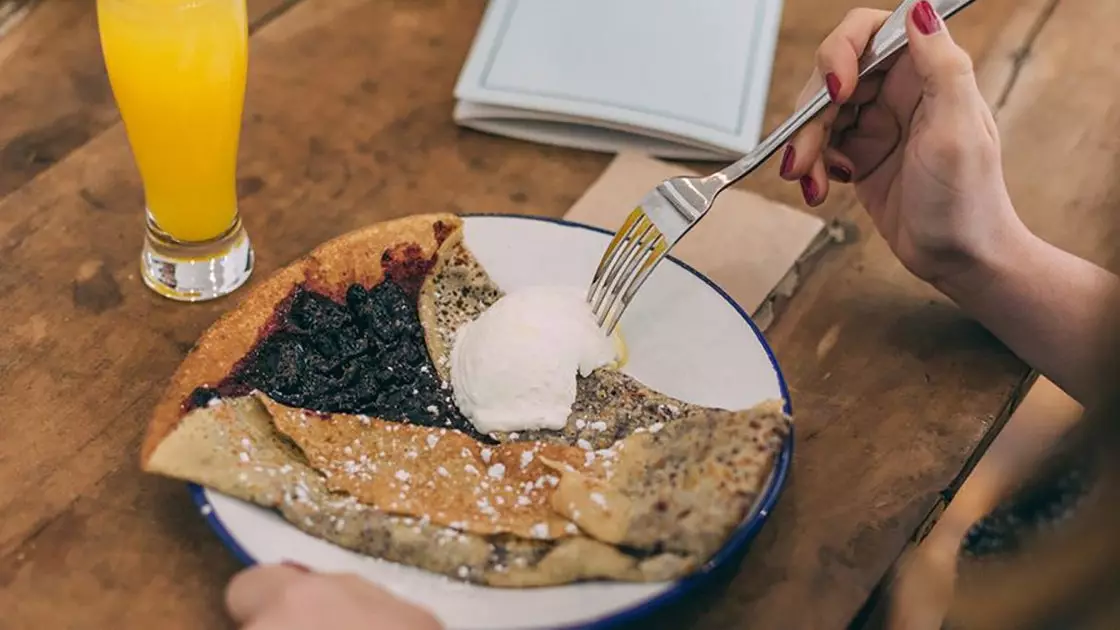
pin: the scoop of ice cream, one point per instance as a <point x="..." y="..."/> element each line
<point x="514" y="368"/>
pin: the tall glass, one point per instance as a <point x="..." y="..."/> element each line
<point x="177" y="68"/>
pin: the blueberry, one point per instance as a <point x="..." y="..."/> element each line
<point x="366" y="356"/>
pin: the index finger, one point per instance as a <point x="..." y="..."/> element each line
<point x="838" y="55"/>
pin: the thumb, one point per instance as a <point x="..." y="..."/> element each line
<point x="944" y="67"/>
<point x="253" y="590"/>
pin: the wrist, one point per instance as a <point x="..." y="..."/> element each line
<point x="1007" y="255"/>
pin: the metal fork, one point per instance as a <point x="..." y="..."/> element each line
<point x="671" y="209"/>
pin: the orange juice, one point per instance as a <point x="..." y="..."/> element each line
<point x="177" y="68"/>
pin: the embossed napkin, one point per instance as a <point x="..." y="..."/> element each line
<point x="752" y="247"/>
<point x="599" y="76"/>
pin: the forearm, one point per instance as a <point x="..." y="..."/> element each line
<point x="1054" y="310"/>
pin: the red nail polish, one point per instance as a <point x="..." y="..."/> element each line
<point x="808" y="189"/>
<point x="297" y="566"/>
<point x="840" y="173"/>
<point x="787" y="161"/>
<point x="925" y="18"/>
<point x="832" y="82"/>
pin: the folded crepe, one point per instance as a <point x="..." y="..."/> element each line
<point x="637" y="487"/>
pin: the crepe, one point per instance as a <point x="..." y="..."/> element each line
<point x="442" y="476"/>
<point x="637" y="487"/>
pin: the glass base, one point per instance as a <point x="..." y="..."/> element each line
<point x="196" y="272"/>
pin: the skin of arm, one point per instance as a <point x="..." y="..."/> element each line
<point x="1054" y="310"/>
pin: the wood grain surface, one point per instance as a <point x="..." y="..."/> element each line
<point x="348" y="122"/>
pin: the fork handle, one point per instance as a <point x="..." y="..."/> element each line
<point x="889" y="39"/>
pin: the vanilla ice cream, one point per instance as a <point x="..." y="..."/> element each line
<point x="514" y="368"/>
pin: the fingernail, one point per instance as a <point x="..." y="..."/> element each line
<point x="925" y="18"/>
<point x="297" y="566"/>
<point x="808" y="189"/>
<point x="832" y="82"/>
<point x="840" y="173"/>
<point x="787" y="161"/>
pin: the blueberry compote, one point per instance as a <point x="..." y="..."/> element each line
<point x="365" y="356"/>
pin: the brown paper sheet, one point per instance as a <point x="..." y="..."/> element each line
<point x="747" y="244"/>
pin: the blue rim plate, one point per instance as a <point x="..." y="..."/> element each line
<point x="211" y="504"/>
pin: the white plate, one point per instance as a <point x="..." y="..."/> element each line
<point x="686" y="337"/>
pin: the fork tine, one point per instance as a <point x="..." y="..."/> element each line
<point x="623" y="297"/>
<point x="623" y="269"/>
<point x="621" y="256"/>
<point x="622" y="274"/>
<point x="626" y="260"/>
<point x="651" y="250"/>
<point x="610" y="256"/>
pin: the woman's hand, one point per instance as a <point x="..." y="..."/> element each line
<point x="919" y="142"/>
<point x="921" y="146"/>
<point x="289" y="597"/>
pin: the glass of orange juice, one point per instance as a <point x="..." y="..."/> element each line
<point x="177" y="69"/>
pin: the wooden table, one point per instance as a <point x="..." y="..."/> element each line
<point x="348" y="122"/>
